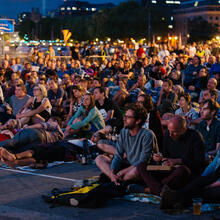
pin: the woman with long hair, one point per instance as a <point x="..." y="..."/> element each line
<point x="87" y="118"/>
<point x="37" y="108"/>
<point x="76" y="100"/>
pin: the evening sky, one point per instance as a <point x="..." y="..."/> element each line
<point x="11" y="8"/>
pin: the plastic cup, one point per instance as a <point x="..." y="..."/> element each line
<point x="197" y="205"/>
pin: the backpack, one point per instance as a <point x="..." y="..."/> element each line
<point x="92" y="196"/>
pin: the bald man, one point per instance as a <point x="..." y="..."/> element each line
<point x="184" y="150"/>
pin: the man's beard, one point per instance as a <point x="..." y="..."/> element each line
<point x="130" y="127"/>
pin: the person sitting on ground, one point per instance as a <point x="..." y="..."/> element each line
<point x="76" y="100"/>
<point x="30" y="83"/>
<point x="212" y="85"/>
<point x="16" y="103"/>
<point x="153" y="121"/>
<point x="18" y="100"/>
<point x="55" y="96"/>
<point x="44" y="132"/>
<point x="134" y="141"/>
<point x="108" y="109"/>
<point x="87" y="118"/>
<point x="37" y="109"/>
<point x="207" y="187"/>
<point x="209" y="127"/>
<point x="137" y="87"/>
<point x="120" y="96"/>
<point x="167" y="100"/>
<point x="186" y="110"/>
<point x="184" y="150"/>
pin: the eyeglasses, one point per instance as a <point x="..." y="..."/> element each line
<point x="140" y="102"/>
<point x="95" y="135"/>
<point x="35" y="89"/>
<point x="128" y="116"/>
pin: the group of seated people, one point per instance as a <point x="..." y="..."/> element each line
<point x="158" y="125"/>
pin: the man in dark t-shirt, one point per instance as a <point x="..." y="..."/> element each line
<point x="109" y="110"/>
<point x="184" y="150"/>
<point x="210" y="127"/>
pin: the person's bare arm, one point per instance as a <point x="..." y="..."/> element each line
<point x="133" y="87"/>
<point x="213" y="152"/>
<point x="195" y="121"/>
<point x="41" y="108"/>
<point x="58" y="102"/>
<point x="215" y="184"/>
<point x="38" y="125"/>
<point x="110" y="114"/>
<point x="160" y="98"/>
<point x="27" y="104"/>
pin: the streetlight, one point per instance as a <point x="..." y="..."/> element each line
<point x="158" y="38"/>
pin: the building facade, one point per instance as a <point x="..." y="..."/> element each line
<point x="75" y="8"/>
<point x="183" y="16"/>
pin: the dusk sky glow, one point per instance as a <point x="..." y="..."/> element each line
<point x="11" y="8"/>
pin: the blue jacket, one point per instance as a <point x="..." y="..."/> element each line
<point x="213" y="166"/>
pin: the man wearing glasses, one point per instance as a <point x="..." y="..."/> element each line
<point x="135" y="142"/>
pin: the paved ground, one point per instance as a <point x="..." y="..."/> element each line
<point x="20" y="198"/>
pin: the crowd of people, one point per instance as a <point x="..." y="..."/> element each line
<point x="155" y="106"/>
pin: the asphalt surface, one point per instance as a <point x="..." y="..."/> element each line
<point x="20" y="198"/>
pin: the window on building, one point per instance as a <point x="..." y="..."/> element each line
<point x="210" y="17"/>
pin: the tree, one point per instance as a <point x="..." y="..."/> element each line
<point x="127" y="20"/>
<point x="201" y="30"/>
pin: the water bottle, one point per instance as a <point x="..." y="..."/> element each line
<point x="114" y="138"/>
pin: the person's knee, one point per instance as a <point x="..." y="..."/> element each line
<point x="132" y="174"/>
<point x="100" y="146"/>
<point x="183" y="170"/>
<point x="99" y="160"/>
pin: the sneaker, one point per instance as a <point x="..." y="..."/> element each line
<point x="135" y="188"/>
<point x="74" y="202"/>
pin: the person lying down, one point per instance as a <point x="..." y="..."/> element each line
<point x="63" y="150"/>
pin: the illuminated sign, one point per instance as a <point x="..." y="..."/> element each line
<point x="7" y="25"/>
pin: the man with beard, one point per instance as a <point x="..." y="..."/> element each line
<point x="210" y="127"/>
<point x="135" y="142"/>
